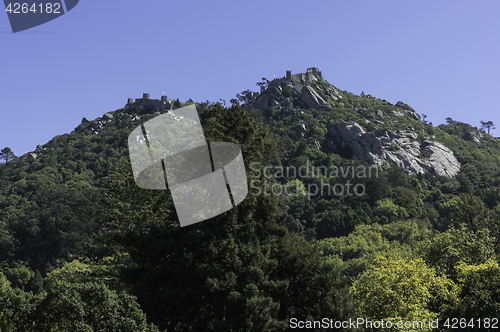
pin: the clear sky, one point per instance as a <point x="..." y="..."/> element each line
<point x="440" y="57"/>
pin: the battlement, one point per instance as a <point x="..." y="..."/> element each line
<point x="311" y="74"/>
<point x="146" y="98"/>
<point x="164" y="103"/>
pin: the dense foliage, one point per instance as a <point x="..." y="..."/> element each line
<point x="82" y="248"/>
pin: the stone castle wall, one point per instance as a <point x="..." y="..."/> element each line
<point x="164" y="103"/>
<point x="310" y="75"/>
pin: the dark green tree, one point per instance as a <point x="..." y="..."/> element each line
<point x="479" y="294"/>
<point x="15" y="307"/>
<point x="177" y="103"/>
<point x="7" y="154"/>
<point x="469" y="212"/>
<point x="450" y="121"/>
<point x="88" y="307"/>
<point x="487" y="125"/>
<point x="264" y="84"/>
<point x="446" y="250"/>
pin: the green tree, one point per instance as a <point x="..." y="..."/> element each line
<point x="264" y="84"/>
<point x="447" y="249"/>
<point x="7" y="154"/>
<point x="479" y="292"/>
<point x="177" y="103"/>
<point x="88" y="307"/>
<point x="469" y="212"/>
<point x="359" y="249"/>
<point x="58" y="226"/>
<point x="404" y="289"/>
<point x="450" y="121"/>
<point x="19" y="276"/>
<point x="6" y="309"/>
<point x="487" y="125"/>
<point x="387" y="208"/>
<point x="35" y="284"/>
<point x="15" y="307"/>
<point x="244" y="97"/>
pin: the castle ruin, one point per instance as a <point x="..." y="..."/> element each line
<point x="310" y="75"/>
<point x="164" y="103"/>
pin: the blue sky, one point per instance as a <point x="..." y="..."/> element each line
<point x="441" y="57"/>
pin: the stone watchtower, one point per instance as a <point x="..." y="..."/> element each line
<point x="314" y="71"/>
<point x="310" y="75"/>
<point x="145" y="96"/>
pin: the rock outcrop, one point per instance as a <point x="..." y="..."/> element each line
<point x="474" y="136"/>
<point x="400" y="149"/>
<point x="408" y="109"/>
<point x="442" y="161"/>
<point x="97" y="125"/>
<point x="39" y="151"/>
<point x="280" y="92"/>
<point x="312" y="99"/>
<point x="263" y="100"/>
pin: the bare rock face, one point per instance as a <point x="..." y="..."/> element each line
<point x="345" y="131"/>
<point x="107" y="117"/>
<point x="366" y="146"/>
<point x="312" y="99"/>
<point x="400" y="149"/>
<point x="442" y="161"/>
<point x="408" y="109"/>
<point x="263" y="100"/>
<point x="39" y="151"/>
<point x="280" y="92"/>
<point x="96" y="126"/>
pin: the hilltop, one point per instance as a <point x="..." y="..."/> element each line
<point x="371" y="129"/>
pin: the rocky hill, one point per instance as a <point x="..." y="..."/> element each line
<point x="409" y="146"/>
<point x="74" y="222"/>
<point x="310" y="121"/>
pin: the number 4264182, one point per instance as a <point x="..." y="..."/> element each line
<point x="24" y="8"/>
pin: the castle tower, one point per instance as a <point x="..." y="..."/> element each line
<point x="309" y="76"/>
<point x="145" y="96"/>
<point x="164" y="99"/>
<point x="130" y="101"/>
<point x="314" y="71"/>
<point x="288" y="74"/>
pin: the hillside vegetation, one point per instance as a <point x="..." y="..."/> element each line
<point x="82" y="248"/>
